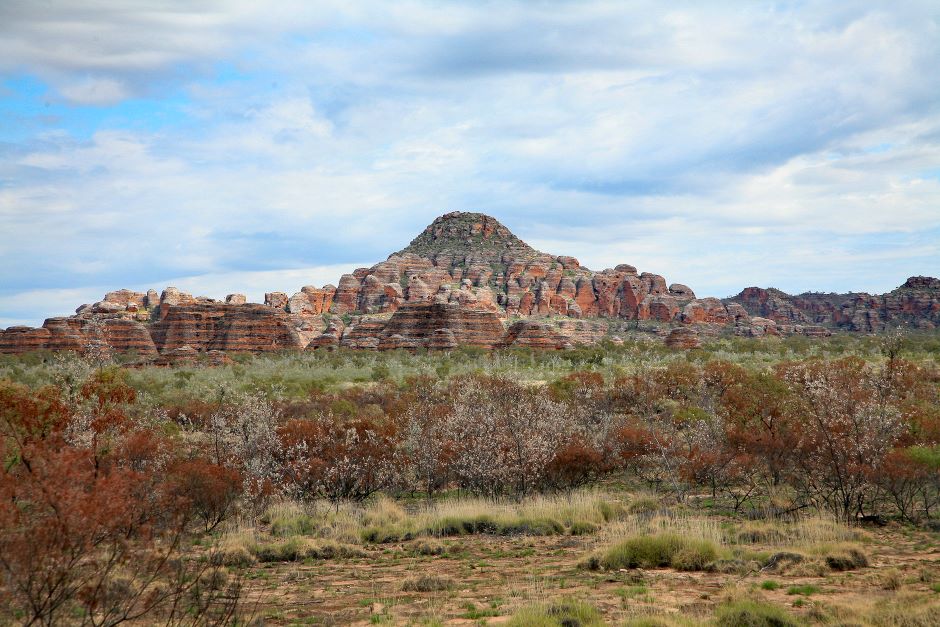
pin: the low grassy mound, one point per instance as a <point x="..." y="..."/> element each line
<point x="752" y="613"/>
<point x="297" y="549"/>
<point x="659" y="551"/>
<point x="560" y="613"/>
<point x="427" y="583"/>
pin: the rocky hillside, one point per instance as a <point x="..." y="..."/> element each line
<point x="915" y="304"/>
<point x="465" y="280"/>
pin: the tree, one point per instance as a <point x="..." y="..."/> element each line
<point x="846" y="430"/>
<point x="338" y="458"/>
<point x="84" y="534"/>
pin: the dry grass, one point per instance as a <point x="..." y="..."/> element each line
<point x="686" y="525"/>
<point x="578" y="513"/>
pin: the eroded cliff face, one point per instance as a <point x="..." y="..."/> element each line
<point x="471" y="260"/>
<point x="914" y="304"/>
<point x="466" y="280"/>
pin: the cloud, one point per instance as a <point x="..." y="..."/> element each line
<point x="30" y="307"/>
<point x="794" y="144"/>
<point x="95" y="91"/>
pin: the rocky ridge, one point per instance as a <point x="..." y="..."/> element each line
<point x="466" y="280"/>
<point x="915" y="304"/>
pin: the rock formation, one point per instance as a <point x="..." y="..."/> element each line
<point x="916" y="304"/>
<point x="684" y="338"/>
<point x="466" y="280"/>
<point x="242" y="328"/>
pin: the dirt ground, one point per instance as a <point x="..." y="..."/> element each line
<point x="486" y="578"/>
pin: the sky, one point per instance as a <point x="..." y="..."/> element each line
<point x="242" y="146"/>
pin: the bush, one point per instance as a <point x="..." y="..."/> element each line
<point x="531" y="527"/>
<point x="429" y="548"/>
<point x="660" y="550"/>
<point x="463" y="525"/>
<point x="385" y="533"/>
<point x="804" y="590"/>
<point x="751" y="613"/>
<point x="210" y="489"/>
<point x="563" y="613"/>
<point x="291" y="550"/>
<point x="297" y="549"/>
<point x="850" y="560"/>
<point x="582" y="528"/>
<point x="427" y="583"/>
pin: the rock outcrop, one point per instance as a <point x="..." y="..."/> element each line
<point x="684" y="338"/>
<point x="535" y="334"/>
<point x="915" y="304"/>
<point x="240" y="328"/>
<point x="99" y="332"/>
<point x="466" y="280"/>
<point x="440" y="325"/>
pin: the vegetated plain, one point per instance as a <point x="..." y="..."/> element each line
<point x="750" y="482"/>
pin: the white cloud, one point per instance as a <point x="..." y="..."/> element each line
<point x="794" y="144"/>
<point x="95" y="91"/>
<point x="38" y="304"/>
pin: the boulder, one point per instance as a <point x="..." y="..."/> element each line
<point x="277" y="300"/>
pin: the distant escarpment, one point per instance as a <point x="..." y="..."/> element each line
<point x="915" y="304"/>
<point x="466" y="280"/>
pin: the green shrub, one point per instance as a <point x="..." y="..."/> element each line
<point x="850" y="560"/>
<point x="645" y="505"/>
<point x="485" y="523"/>
<point x="610" y="511"/>
<point x="804" y="590"/>
<point x="427" y="583"/>
<point x="456" y="526"/>
<point x="751" y="613"/>
<point x="562" y="613"/>
<point x="381" y="534"/>
<point x="429" y="548"/>
<point x="296" y="549"/>
<point x="770" y="585"/>
<point x="332" y="550"/>
<point x="291" y="550"/>
<point x="660" y="550"/>
<point x="300" y="525"/>
<point x="582" y="528"/>
<point x="531" y="527"/>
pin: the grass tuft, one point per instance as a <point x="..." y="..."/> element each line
<point x="660" y="550"/>
<point x="560" y="613"/>
<point x="427" y="583"/>
<point x="752" y="613"/>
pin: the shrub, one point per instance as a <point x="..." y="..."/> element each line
<point x="296" y="549"/>
<point x="849" y="560"/>
<point x="290" y="550"/>
<point x="210" y="490"/>
<point x="531" y="527"/>
<point x="891" y="579"/>
<point x="429" y="548"/>
<point x="562" y="613"/>
<point x="384" y="534"/>
<point x="752" y="613"/>
<point x="427" y="583"/>
<point x="458" y="525"/>
<point x="804" y="590"/>
<point x="660" y="550"/>
<point x="582" y="528"/>
<point x="645" y="505"/>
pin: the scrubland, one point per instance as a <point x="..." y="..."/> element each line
<point x="750" y="482"/>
